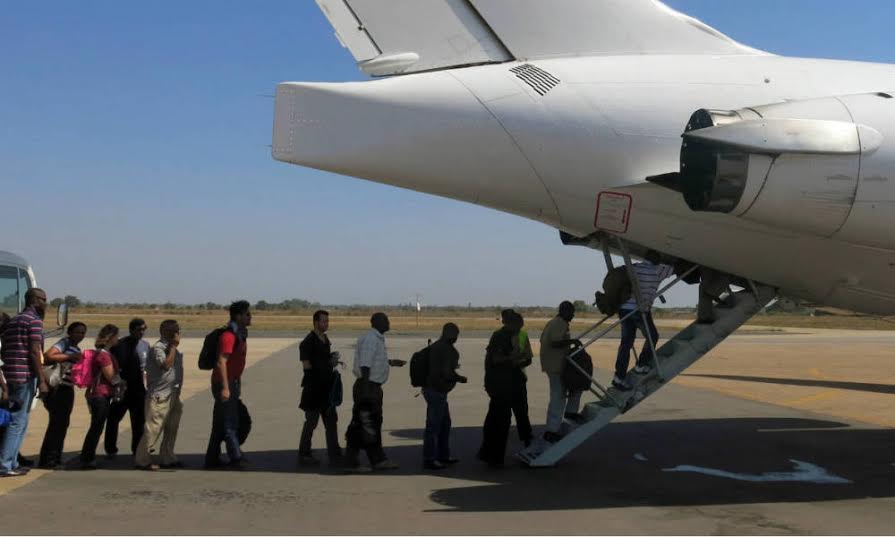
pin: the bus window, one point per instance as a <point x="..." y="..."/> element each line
<point x="10" y="296"/>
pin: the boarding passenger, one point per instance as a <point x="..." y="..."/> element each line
<point x="556" y="344"/>
<point x="519" y="402"/>
<point x="317" y="384"/>
<point x="22" y="357"/>
<point x="164" y="380"/>
<point x="443" y="363"/>
<point x="60" y="400"/>
<point x="371" y="367"/>
<point x="712" y="284"/>
<point x="106" y="375"/>
<point x="130" y="352"/>
<point x="503" y="373"/>
<point x="650" y="274"/>
<point x="226" y="382"/>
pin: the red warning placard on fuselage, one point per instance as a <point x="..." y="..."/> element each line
<point x="613" y="211"/>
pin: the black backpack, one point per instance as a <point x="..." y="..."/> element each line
<point x="208" y="356"/>
<point x="572" y="378"/>
<point x="419" y="367"/>
<point x="616" y="291"/>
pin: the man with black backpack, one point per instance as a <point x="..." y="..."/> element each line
<point x="226" y="379"/>
<point x="556" y="344"/>
<point x="443" y="361"/>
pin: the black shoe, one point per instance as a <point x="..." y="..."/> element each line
<point x="53" y="465"/>
<point x="308" y="460"/>
<point x="574" y="417"/>
<point x="449" y="462"/>
<point x="89" y="465"/>
<point x="27" y="463"/>
<point x="213" y="464"/>
<point x="434" y="465"/>
<point x="239" y="464"/>
<point x="172" y="466"/>
<point x="552" y="437"/>
<point x="705" y="321"/>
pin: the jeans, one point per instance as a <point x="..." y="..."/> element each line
<point x="59" y="402"/>
<point x="99" y="413"/>
<point x="643" y="322"/>
<point x="365" y="430"/>
<point x="162" y="422"/>
<point x="134" y="403"/>
<point x="11" y="439"/>
<point x="436" y="440"/>
<point x="225" y="425"/>
<point x="562" y="401"/>
<point x="330" y="423"/>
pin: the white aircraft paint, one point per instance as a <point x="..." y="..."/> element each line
<point x="578" y="114"/>
<point x="804" y="473"/>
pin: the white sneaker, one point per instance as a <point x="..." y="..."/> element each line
<point x="621" y="384"/>
<point x="643" y="369"/>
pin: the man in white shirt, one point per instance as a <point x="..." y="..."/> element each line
<point x="650" y="274"/>
<point x="371" y="367"/>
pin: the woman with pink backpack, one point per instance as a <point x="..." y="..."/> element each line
<point x="98" y="372"/>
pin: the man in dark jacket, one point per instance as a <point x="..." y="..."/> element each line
<point x="318" y="364"/>
<point x="130" y="352"/>
<point x="504" y="361"/>
<point x="443" y="363"/>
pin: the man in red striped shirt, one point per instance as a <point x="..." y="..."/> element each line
<point x="21" y="350"/>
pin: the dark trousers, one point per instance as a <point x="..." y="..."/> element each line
<point x="365" y="430"/>
<point x="330" y="423"/>
<point x="497" y="426"/>
<point x="519" y="405"/>
<point x="59" y="403"/>
<point x="134" y="403"/>
<point x="99" y="413"/>
<point x="224" y="425"/>
<point x="437" y="438"/>
<point x="639" y="321"/>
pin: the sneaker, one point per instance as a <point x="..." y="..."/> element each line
<point x="385" y="465"/>
<point x="18" y="472"/>
<point x="552" y="437"/>
<point x="308" y="460"/>
<point x="621" y="384"/>
<point x="574" y="417"/>
<point x="434" y="465"/>
<point x="643" y="369"/>
<point x="148" y="467"/>
<point x="359" y="469"/>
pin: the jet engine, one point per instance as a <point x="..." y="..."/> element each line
<point x="795" y="165"/>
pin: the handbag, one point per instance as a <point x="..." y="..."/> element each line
<point x="336" y="392"/>
<point x="53" y="374"/>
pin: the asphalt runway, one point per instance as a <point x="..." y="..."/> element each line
<point x="687" y="461"/>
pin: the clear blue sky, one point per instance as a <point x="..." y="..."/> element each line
<point x="135" y="164"/>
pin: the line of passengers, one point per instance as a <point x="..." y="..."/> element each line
<point x="128" y="376"/>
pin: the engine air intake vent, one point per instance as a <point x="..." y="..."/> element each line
<point x="540" y="80"/>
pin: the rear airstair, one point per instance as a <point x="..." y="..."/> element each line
<point x="671" y="359"/>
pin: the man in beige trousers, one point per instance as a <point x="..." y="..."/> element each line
<point x="164" y="379"/>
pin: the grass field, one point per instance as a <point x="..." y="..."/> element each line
<point x="406" y="321"/>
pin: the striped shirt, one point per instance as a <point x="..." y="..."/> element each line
<point x="649" y="277"/>
<point x="370" y="352"/>
<point x="15" y="345"/>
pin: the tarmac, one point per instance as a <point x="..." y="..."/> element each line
<point x="769" y="434"/>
